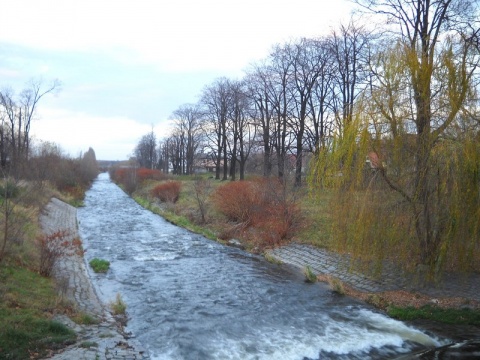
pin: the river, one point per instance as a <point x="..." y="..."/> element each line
<point x="192" y="298"/>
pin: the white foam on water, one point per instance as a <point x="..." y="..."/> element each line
<point x="370" y="331"/>
<point x="386" y="325"/>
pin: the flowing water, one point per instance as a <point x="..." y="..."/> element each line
<point x="191" y="298"/>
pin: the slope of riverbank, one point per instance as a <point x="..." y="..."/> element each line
<point x="104" y="339"/>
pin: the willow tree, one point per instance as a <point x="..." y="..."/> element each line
<point x="418" y="172"/>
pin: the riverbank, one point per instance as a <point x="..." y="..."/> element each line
<point x="453" y="289"/>
<point x="101" y="337"/>
<point x="105" y="340"/>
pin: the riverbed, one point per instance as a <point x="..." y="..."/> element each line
<point x="192" y="298"/>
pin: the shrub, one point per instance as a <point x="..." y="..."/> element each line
<point x="51" y="248"/>
<point x="99" y="265"/>
<point x="131" y="177"/>
<point x="264" y="205"/>
<point x="168" y="191"/>
<point x="150" y="174"/>
<point x="238" y="201"/>
<point x="202" y="188"/>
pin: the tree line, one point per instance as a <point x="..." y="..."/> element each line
<point x="286" y="106"/>
<point x="387" y="111"/>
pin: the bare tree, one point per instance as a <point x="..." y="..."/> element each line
<point x="163" y="155"/>
<point x="146" y="151"/>
<point x="188" y="123"/>
<point x="306" y="69"/>
<point x="258" y="82"/>
<point x="280" y="72"/>
<point x="215" y="101"/>
<point x="349" y="47"/>
<point x="17" y="113"/>
<point x="321" y="106"/>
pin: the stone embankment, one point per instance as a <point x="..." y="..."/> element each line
<point x="104" y="340"/>
<point x="325" y="262"/>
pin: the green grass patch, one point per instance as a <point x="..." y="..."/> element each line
<point x="85" y="319"/>
<point x="27" y="301"/>
<point x="448" y="316"/>
<point x="271" y="259"/>
<point x="310" y="276"/>
<point x="317" y="213"/>
<point x="118" y="306"/>
<point x="99" y="265"/>
<point x="88" y="344"/>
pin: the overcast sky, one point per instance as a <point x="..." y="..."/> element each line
<point x="126" y="65"/>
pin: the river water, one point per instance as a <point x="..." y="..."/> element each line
<point x="191" y="298"/>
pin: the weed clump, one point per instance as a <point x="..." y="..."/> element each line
<point x="118" y="306"/>
<point x="310" y="276"/>
<point x="336" y="285"/>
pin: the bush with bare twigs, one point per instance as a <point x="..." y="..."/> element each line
<point x="53" y="247"/>
<point x="168" y="191"/>
<point x="264" y="205"/>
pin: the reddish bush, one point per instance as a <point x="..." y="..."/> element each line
<point x="238" y="201"/>
<point x="129" y="178"/>
<point x="55" y="246"/>
<point x="168" y="191"/>
<point x="261" y="204"/>
<point x="149" y="174"/>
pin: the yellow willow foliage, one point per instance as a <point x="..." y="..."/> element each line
<point x="373" y="219"/>
<point x="460" y="189"/>
<point x="368" y="219"/>
<point x="346" y="152"/>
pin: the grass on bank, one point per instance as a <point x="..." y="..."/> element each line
<point x="28" y="303"/>
<point x="448" y="316"/>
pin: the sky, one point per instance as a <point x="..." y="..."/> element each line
<point x="126" y="65"/>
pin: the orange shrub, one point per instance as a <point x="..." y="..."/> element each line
<point x="149" y="174"/>
<point x="237" y="200"/>
<point x="263" y="205"/>
<point x="168" y="191"/>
